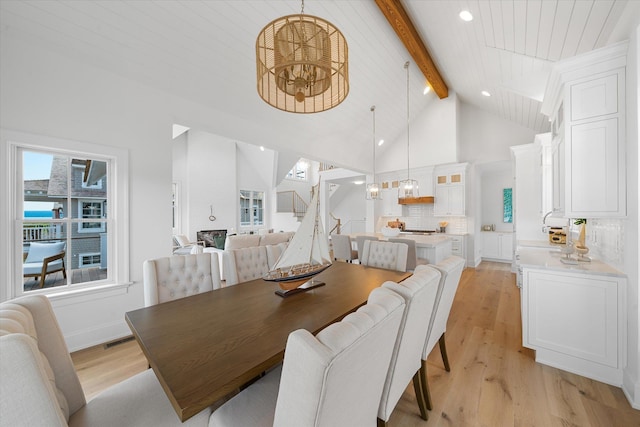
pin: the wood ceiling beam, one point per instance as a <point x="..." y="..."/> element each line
<point x="406" y="31"/>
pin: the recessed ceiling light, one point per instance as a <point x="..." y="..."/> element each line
<point x="485" y="93"/>
<point x="380" y="142"/>
<point x="261" y="148"/>
<point x="358" y="182"/>
<point x="465" y="15"/>
<point x="426" y="90"/>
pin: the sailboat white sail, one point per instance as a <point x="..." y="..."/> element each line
<point x="308" y="251"/>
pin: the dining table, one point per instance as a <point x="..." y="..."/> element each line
<point x="204" y="347"/>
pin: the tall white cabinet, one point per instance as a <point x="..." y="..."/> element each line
<point x="450" y="190"/>
<point x="585" y="100"/>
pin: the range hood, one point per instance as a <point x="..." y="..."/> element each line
<point x="415" y="200"/>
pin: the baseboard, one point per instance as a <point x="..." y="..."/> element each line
<point x="631" y="390"/>
<point x="96" y="336"/>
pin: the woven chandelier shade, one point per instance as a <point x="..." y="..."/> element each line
<point x="302" y="64"/>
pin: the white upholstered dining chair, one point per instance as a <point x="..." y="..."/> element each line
<point x="40" y="386"/>
<point x="412" y="253"/>
<point x="274" y="252"/>
<point x="451" y="270"/>
<point x="360" y="243"/>
<point x="174" y="277"/>
<point x="245" y="264"/>
<point x="387" y="255"/>
<point x="333" y="379"/>
<point x="419" y="292"/>
<point x="342" y="249"/>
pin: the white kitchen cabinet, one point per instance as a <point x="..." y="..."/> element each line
<point x="449" y="200"/>
<point x="497" y="246"/>
<point x="558" y="171"/>
<point x="458" y="245"/>
<point x="450" y="190"/>
<point x="389" y="203"/>
<point x="575" y="321"/>
<point x="586" y="101"/>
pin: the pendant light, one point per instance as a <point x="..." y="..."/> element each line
<point x="302" y="64"/>
<point x="373" y="189"/>
<point x="408" y="187"/>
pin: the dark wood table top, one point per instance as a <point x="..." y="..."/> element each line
<point x="205" y="346"/>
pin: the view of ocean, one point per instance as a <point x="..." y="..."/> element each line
<point x="38" y="214"/>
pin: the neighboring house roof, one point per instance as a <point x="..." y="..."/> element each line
<point x="56" y="185"/>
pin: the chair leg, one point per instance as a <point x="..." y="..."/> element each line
<point x="382" y="423"/>
<point x="443" y="351"/>
<point x="425" y="385"/>
<point x="417" y="387"/>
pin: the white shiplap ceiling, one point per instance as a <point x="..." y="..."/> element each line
<point x="204" y="52"/>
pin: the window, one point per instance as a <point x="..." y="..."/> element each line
<point x="89" y="260"/>
<point x="65" y="194"/>
<point x="299" y="171"/>
<point x="90" y="210"/>
<point x="251" y="208"/>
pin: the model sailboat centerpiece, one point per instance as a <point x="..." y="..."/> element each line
<point x="306" y="255"/>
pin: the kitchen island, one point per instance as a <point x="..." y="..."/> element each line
<point x="433" y="247"/>
<point x="573" y="315"/>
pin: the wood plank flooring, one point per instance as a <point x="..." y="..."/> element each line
<point x="493" y="382"/>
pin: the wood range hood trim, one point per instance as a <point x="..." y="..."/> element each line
<point x="424" y="200"/>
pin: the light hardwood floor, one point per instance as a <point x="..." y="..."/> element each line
<point x="494" y="381"/>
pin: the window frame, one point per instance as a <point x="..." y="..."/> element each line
<point x="84" y="226"/>
<point x="11" y="215"/>
<point x="252" y="194"/>
<point x="296" y="170"/>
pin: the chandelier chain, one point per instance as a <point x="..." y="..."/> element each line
<point x="373" y="110"/>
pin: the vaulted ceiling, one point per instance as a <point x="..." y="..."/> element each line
<point x="204" y="51"/>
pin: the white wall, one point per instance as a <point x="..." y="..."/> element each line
<point x="43" y="93"/>
<point x="211" y="182"/>
<point x="433" y="137"/>
<point x="631" y="380"/>
<point x="485" y="137"/>
<point x="493" y="184"/>
<point x="350" y="205"/>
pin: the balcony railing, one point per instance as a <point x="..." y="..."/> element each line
<point x="41" y="232"/>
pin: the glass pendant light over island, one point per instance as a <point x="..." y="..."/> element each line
<point x="407" y="188"/>
<point x="373" y="189"/>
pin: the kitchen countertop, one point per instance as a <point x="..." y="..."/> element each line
<point x="550" y="260"/>
<point x="429" y="241"/>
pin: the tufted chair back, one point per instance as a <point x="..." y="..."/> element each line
<point x="245" y="264"/>
<point x="451" y="269"/>
<point x="39" y="385"/>
<point x="419" y="292"/>
<point x="360" y="243"/>
<point x="174" y="277"/>
<point x="387" y="255"/>
<point x="412" y="254"/>
<point x="31" y="337"/>
<point x="274" y="252"/>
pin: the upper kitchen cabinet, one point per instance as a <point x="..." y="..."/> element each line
<point x="585" y="99"/>
<point x="389" y="204"/>
<point x="450" y="181"/>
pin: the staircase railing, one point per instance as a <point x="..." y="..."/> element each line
<point x="291" y="201"/>
<point x="336" y="227"/>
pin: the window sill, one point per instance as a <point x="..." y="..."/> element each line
<point x="92" y="292"/>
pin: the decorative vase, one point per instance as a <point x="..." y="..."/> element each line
<point x="581" y="236"/>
